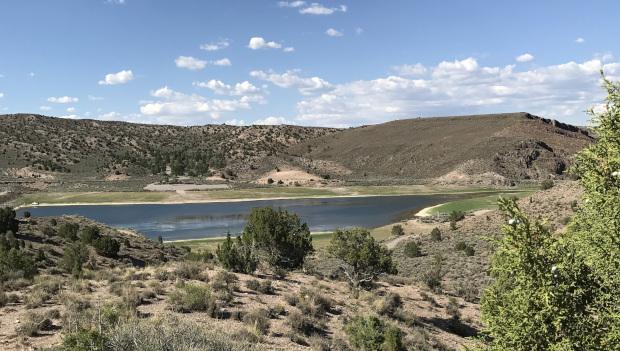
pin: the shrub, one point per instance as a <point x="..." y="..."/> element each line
<point x="456" y="216"/>
<point x="192" y="298"/>
<point x="15" y="264"/>
<point x="412" y="249"/>
<point x="27" y="214"/>
<point x="8" y="222"/>
<point x="83" y="339"/>
<point x="300" y="323"/>
<point x="398" y="230"/>
<point x="370" y="333"/>
<point x="278" y="237"/>
<point x="189" y="270"/>
<point x="69" y="231"/>
<point x="252" y="284"/>
<point x="269" y="180"/>
<point x="236" y="255"/>
<point x="361" y="258"/>
<point x="258" y="320"/>
<point x="89" y="234"/>
<point x="389" y="304"/>
<point x="434" y="274"/>
<point x="453" y="309"/>
<point x="546" y="184"/>
<point x="48" y="231"/>
<point x="266" y="287"/>
<point x="106" y="246"/>
<point x="33" y="323"/>
<point x="460" y="245"/>
<point x="74" y="257"/>
<point x="435" y="234"/>
<point x="469" y="251"/>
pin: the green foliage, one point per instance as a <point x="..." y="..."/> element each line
<point x="191" y="298"/>
<point x="84" y="339"/>
<point x="435" y="234"/>
<point x="277" y="237"/>
<point x="106" y="246"/>
<point x="398" y="230"/>
<point x="559" y="292"/>
<point x="434" y="273"/>
<point x="371" y="334"/>
<point x="74" y="257"/>
<point x="412" y="249"/>
<point x="236" y="256"/>
<point x="361" y="258"/>
<point x="69" y="231"/>
<point x="258" y="320"/>
<point x="547" y="184"/>
<point x="89" y="234"/>
<point x="456" y="216"/>
<point x="8" y="222"/>
<point x="16" y="264"/>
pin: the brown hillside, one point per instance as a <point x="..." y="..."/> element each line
<point x="502" y="146"/>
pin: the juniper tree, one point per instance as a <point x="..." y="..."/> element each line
<point x="561" y="291"/>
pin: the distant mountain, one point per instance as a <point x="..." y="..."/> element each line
<point x="487" y="148"/>
<point x="482" y="148"/>
<point x="98" y="148"/>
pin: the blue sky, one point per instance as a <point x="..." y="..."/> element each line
<point x="326" y="63"/>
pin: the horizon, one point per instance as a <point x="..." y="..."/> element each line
<point x="329" y="64"/>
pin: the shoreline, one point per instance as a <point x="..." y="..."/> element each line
<point x="216" y="238"/>
<point x="206" y="201"/>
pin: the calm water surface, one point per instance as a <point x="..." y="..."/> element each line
<point x="190" y="221"/>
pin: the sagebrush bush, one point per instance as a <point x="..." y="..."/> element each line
<point x="258" y="320"/>
<point x="397" y="230"/>
<point x="389" y="304"/>
<point x="436" y="234"/>
<point x="301" y="323"/>
<point x="412" y="249"/>
<point x="192" y="298"/>
<point x="371" y="333"/>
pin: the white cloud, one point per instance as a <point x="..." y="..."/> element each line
<point x="219" y="45"/>
<point x="260" y="43"/>
<point x="71" y="109"/>
<point x="222" y="62"/>
<point x="1" y="95"/>
<point x="235" y="122"/>
<point x="318" y="9"/>
<point x="95" y="98"/>
<point x="359" y="30"/>
<point x="219" y="87"/>
<point x="333" y="32"/>
<point x="290" y="79"/>
<point x="410" y="70"/>
<point x="527" y="57"/>
<point x="121" y="77"/>
<point x="179" y="108"/>
<point x="292" y="4"/>
<point x="272" y="121"/>
<point x="289" y="49"/>
<point x="190" y="63"/>
<point x="580" y="40"/>
<point x="45" y="108"/>
<point x="116" y="2"/>
<point x="560" y="91"/>
<point x="63" y="99"/>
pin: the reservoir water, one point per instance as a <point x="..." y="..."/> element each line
<point x="190" y="221"/>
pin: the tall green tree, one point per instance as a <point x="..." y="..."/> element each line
<point x="562" y="291"/>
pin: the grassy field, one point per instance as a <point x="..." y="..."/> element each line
<point x="92" y="197"/>
<point x="319" y="240"/>
<point x="476" y="203"/>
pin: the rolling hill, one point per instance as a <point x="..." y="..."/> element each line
<point x="496" y="147"/>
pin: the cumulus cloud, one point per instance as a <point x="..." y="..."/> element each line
<point x="215" y="46"/>
<point x="257" y="43"/>
<point x="333" y="32"/>
<point x="290" y="79"/>
<point x="45" y="108"/>
<point x="71" y="109"/>
<point x="319" y="9"/>
<point x="291" y="4"/>
<point x="560" y="91"/>
<point x="221" y="88"/>
<point x="235" y="122"/>
<point x="190" y="63"/>
<point x="272" y="121"/>
<point x="180" y="108"/>
<point x="63" y="100"/>
<point x="222" y="62"/>
<point x="580" y="40"/>
<point x="121" y="77"/>
<point x="525" y="57"/>
<point x="410" y="70"/>
<point x="289" y="49"/>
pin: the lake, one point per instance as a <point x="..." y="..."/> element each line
<point x="201" y="220"/>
